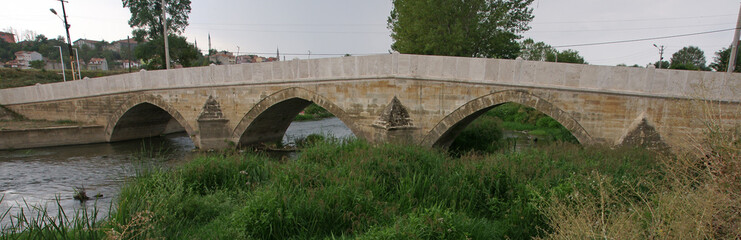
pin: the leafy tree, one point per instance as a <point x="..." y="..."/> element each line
<point x="535" y="51"/>
<point x="146" y="17"/>
<point x="539" y="51"/>
<point x="720" y="61"/>
<point x="567" y="56"/>
<point x="691" y="58"/>
<point x="181" y="52"/>
<point x="468" y="28"/>
<point x="37" y="64"/>
<point x="664" y="64"/>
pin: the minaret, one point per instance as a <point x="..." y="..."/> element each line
<point x="277" y="53"/>
<point x="195" y="41"/>
<point x="209" y="47"/>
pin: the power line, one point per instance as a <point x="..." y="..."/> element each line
<point x="643" y="39"/>
<point x="630" y="29"/>
<point x="636" y="20"/>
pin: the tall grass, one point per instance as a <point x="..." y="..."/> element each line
<point x="352" y="189"/>
<point x="697" y="196"/>
<point x="38" y="222"/>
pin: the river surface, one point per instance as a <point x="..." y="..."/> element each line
<point x="48" y="177"/>
<point x="33" y="178"/>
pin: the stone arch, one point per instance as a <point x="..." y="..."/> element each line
<point x="443" y="134"/>
<point x="268" y="120"/>
<point x="144" y="101"/>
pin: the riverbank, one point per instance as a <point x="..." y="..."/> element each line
<point x="357" y="190"/>
<point x="313" y="113"/>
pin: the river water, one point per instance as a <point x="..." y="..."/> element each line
<point x="38" y="177"/>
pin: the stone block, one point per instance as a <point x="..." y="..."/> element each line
<point x="637" y="79"/>
<point x="476" y="69"/>
<point x="492" y="73"/>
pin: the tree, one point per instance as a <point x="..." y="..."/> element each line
<point x="720" y="61"/>
<point x="535" y="51"/>
<point x="664" y="64"/>
<point x="539" y="51"/>
<point x="181" y="52"/>
<point x="37" y="64"/>
<point x="146" y="17"/>
<point x="567" y="56"/>
<point x="691" y="58"/>
<point x="467" y="28"/>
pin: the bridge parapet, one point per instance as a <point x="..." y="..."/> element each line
<point x="516" y="73"/>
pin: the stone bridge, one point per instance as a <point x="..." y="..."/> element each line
<point x="425" y="100"/>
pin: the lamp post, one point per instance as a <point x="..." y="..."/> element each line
<point x="69" y="40"/>
<point x="661" y="54"/>
<point x="79" y="69"/>
<point x="61" y="60"/>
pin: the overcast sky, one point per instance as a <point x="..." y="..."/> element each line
<point x="359" y="27"/>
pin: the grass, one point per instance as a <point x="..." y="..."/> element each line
<point x="352" y="189"/>
<point x="13" y="77"/>
<point x="357" y="190"/>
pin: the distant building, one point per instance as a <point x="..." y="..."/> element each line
<point x="126" y="63"/>
<point x="123" y="45"/>
<point x="98" y="64"/>
<point x="254" y="59"/>
<point x="223" y="58"/>
<point x="8" y="37"/>
<point x="23" y="59"/>
<point x="86" y="42"/>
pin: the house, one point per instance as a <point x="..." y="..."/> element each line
<point x="8" y="37"/>
<point x="123" y="45"/>
<point x="254" y="59"/>
<point x="223" y="58"/>
<point x="85" y="42"/>
<point x="125" y="64"/>
<point x="98" y="64"/>
<point x="23" y="59"/>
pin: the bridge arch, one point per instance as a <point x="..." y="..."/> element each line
<point x="268" y="120"/>
<point x="141" y="116"/>
<point x="445" y="131"/>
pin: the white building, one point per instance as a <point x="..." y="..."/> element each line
<point x="24" y="58"/>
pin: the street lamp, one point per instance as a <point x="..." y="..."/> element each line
<point x="79" y="68"/>
<point x="61" y="60"/>
<point x="69" y="40"/>
<point x="661" y="54"/>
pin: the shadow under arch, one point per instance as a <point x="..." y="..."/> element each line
<point x="443" y="134"/>
<point x="268" y="120"/>
<point x="143" y="116"/>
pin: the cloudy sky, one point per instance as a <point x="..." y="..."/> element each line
<point x="327" y="27"/>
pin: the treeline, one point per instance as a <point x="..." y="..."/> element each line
<point x="149" y="53"/>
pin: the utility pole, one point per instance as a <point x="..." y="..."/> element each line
<point x="661" y="54"/>
<point x="61" y="60"/>
<point x="734" y="44"/>
<point x="164" y="23"/>
<point x="79" y="69"/>
<point x="128" y="43"/>
<point x="209" y="48"/>
<point x="69" y="40"/>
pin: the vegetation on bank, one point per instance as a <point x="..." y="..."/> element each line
<point x="312" y="113"/>
<point x="355" y="190"/>
<point x="13" y="77"/>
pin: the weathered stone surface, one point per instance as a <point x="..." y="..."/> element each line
<point x="420" y="99"/>
<point x="394" y="116"/>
